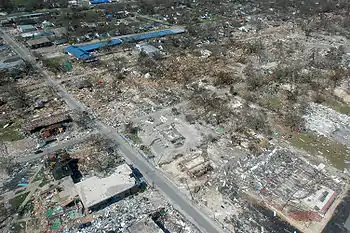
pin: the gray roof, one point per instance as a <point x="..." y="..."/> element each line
<point x="9" y="62"/>
<point x="11" y="65"/>
<point x="59" y="31"/>
<point x="95" y="190"/>
<point x="148" y="49"/>
<point x="27" y="27"/>
<point x="39" y="41"/>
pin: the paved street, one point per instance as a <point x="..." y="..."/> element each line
<point x="184" y="205"/>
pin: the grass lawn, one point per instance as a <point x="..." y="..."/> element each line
<point x="10" y="133"/>
<point x="20" y="2"/>
<point x="337" y="106"/>
<point x="335" y="152"/>
<point x="135" y="138"/>
<point x="272" y="102"/>
<point x="42" y="177"/>
<point x="18" y="200"/>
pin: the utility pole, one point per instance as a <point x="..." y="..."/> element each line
<point x="189" y="189"/>
<point x="160" y="158"/>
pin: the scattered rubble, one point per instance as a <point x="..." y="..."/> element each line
<point x="245" y="111"/>
<point x="329" y="123"/>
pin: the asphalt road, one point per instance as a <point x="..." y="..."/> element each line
<point x="176" y="198"/>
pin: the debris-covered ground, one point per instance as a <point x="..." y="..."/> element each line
<point x="246" y="112"/>
<point x="124" y="215"/>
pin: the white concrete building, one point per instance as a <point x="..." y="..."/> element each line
<point x="95" y="192"/>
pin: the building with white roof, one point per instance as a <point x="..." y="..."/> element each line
<point x="95" y="192"/>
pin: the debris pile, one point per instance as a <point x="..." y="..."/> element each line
<point x="329" y="123"/>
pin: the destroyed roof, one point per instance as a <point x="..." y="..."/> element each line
<point x="13" y="62"/>
<point x="46" y="120"/>
<point x="68" y="192"/>
<point x="61" y="170"/>
<point x="39" y="41"/>
<point x="94" y="190"/>
<point x="146" y="48"/>
<point x="146" y="225"/>
<point x="9" y="60"/>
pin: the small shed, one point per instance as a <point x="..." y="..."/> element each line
<point x="38" y="43"/>
<point x="150" y="50"/>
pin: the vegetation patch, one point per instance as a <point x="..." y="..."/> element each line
<point x="41" y="176"/>
<point x="336" y="153"/>
<point x="132" y="133"/>
<point x="10" y="132"/>
<point x="272" y="102"/>
<point x="134" y="137"/>
<point x="337" y="106"/>
<point x="3" y="212"/>
<point x="27" y="209"/>
<point x="54" y="64"/>
<point x="17" y="201"/>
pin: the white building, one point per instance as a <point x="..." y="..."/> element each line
<point x="95" y="192"/>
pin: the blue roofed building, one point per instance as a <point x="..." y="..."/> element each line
<point x="78" y="53"/>
<point x="82" y="52"/>
<point x="95" y="2"/>
<point x="98" y="45"/>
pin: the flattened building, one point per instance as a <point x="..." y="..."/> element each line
<point x="39" y="123"/>
<point x="146" y="225"/>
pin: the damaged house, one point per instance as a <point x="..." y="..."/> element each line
<point x="36" y="124"/>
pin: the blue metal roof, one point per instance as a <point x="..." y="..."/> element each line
<point x="98" y="45"/>
<point x="2" y="47"/>
<point x="94" y="2"/>
<point x="81" y="52"/>
<point x="78" y="53"/>
<point x="146" y="36"/>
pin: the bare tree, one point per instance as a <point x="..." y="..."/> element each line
<point x="225" y="78"/>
